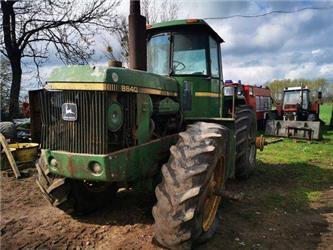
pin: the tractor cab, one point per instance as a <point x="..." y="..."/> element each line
<point x="188" y="51"/>
<point x="296" y="99"/>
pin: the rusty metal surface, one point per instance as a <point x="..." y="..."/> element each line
<point x="35" y="111"/>
<point x="88" y="134"/>
<point x="129" y="164"/>
<point x="260" y="143"/>
<point x="309" y="130"/>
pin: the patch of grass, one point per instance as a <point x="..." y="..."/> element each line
<point x="325" y="112"/>
<point x="313" y="196"/>
<point x="295" y="173"/>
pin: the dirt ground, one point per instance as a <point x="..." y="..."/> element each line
<point x="29" y="222"/>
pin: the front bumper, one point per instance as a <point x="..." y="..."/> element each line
<point x="124" y="165"/>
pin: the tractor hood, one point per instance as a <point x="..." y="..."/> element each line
<point x="85" y="77"/>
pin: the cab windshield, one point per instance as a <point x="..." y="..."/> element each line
<point x="189" y="54"/>
<point x="294" y="97"/>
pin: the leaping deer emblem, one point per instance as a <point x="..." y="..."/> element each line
<point x="68" y="111"/>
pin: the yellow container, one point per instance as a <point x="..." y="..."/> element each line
<point x="25" y="152"/>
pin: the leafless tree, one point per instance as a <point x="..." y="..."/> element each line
<point x="5" y="81"/>
<point x="122" y="37"/>
<point x="65" y="28"/>
<point x="154" y="11"/>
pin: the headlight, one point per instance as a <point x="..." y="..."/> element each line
<point x="95" y="167"/>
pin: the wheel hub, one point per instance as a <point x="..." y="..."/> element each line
<point x="212" y="201"/>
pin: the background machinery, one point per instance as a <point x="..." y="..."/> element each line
<point x="258" y="98"/>
<point x="296" y="116"/>
<point x="103" y="128"/>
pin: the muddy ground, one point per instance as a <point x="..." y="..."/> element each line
<point x="29" y="222"/>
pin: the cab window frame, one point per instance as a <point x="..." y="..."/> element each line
<point x="218" y="56"/>
<point x="169" y="35"/>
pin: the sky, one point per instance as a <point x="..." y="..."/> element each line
<point x="258" y="50"/>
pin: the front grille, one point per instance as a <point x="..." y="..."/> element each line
<point x="88" y="134"/>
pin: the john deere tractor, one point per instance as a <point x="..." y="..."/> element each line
<point x="176" y="124"/>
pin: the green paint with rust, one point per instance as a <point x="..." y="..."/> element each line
<point x="174" y="23"/>
<point x="121" y="76"/>
<point x="201" y="106"/>
<point x="144" y="113"/>
<point x="167" y="106"/>
<point x="129" y="164"/>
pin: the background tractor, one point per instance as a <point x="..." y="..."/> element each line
<point x="166" y="119"/>
<point x="296" y="116"/>
<point x="258" y="98"/>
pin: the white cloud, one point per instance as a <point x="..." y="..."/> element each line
<point x="310" y="70"/>
<point x="316" y="51"/>
<point x="305" y="70"/>
<point x="252" y="74"/>
<point x="269" y="35"/>
<point x="326" y="70"/>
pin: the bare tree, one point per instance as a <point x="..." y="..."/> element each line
<point x="122" y="37"/>
<point x="154" y="11"/>
<point x="5" y="81"/>
<point x="35" y="29"/>
<point x="159" y="11"/>
<point x="171" y="12"/>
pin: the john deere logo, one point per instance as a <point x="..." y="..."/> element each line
<point x="69" y="112"/>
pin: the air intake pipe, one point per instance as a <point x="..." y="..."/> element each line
<point x="137" y="36"/>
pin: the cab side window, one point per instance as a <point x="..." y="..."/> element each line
<point x="214" y="63"/>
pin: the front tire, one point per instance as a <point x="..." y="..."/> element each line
<point x="186" y="209"/>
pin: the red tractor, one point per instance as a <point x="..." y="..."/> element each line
<point x="296" y="116"/>
<point x="296" y="105"/>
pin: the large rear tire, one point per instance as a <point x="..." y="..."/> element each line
<point x="245" y="132"/>
<point x="187" y="204"/>
<point x="73" y="196"/>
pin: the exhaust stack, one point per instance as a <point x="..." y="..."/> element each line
<point x="137" y="37"/>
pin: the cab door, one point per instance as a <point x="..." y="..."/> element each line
<point x="196" y="67"/>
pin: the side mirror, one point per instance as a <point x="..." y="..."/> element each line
<point x="320" y="94"/>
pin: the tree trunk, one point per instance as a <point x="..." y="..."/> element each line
<point x="13" y="54"/>
<point x="15" y="88"/>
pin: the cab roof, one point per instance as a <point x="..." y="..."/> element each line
<point x="295" y="88"/>
<point x="176" y="24"/>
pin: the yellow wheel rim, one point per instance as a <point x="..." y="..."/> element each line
<point x="212" y="201"/>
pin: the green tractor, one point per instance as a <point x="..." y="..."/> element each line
<point x="175" y="125"/>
